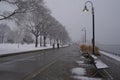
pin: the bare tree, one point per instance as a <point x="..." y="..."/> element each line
<point x="58" y="32"/>
<point x="35" y="17"/>
<point x="35" y="20"/>
<point x="4" y="30"/>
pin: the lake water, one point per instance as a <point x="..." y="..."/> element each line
<point x="114" y="49"/>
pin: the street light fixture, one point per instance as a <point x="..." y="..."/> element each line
<point x="85" y="9"/>
<point x="93" y="23"/>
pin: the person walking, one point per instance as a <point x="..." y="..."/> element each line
<point x="58" y="46"/>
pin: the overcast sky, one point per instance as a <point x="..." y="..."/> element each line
<point x="70" y="14"/>
<point x="107" y="18"/>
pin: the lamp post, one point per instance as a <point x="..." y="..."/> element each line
<point x="93" y="23"/>
<point x="84" y="29"/>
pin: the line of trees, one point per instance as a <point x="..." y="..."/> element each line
<point x="33" y="17"/>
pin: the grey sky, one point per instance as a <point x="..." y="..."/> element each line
<point x="107" y="18"/>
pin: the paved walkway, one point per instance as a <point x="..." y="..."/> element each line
<point x="57" y="64"/>
<point x="71" y="66"/>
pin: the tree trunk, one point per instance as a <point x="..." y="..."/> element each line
<point x="44" y="40"/>
<point x="54" y="41"/>
<point x="2" y="38"/>
<point x="57" y="41"/>
<point x="40" y="41"/>
<point x="36" y="41"/>
<point x="50" y="42"/>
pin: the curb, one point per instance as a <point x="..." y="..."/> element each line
<point x="26" y="52"/>
<point x="23" y="52"/>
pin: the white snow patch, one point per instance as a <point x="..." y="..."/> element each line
<point x="13" y="48"/>
<point x="78" y="71"/>
<point x="111" y="55"/>
<point x="82" y="57"/>
<point x="80" y="62"/>
<point x="85" y="78"/>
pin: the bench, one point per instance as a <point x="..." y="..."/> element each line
<point x="99" y="65"/>
<point x="94" y="57"/>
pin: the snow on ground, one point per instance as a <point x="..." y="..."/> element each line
<point x="111" y="55"/>
<point x="78" y="74"/>
<point x="78" y="71"/>
<point x="80" y="62"/>
<point x="13" y="48"/>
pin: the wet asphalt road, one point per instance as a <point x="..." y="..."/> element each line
<point x="21" y="67"/>
<point x="26" y="66"/>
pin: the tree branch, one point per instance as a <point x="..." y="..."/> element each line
<point x="8" y="16"/>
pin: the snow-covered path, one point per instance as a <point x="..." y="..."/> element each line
<point x="13" y="48"/>
<point x="110" y="55"/>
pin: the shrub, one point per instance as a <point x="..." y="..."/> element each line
<point x="89" y="49"/>
<point x="83" y="48"/>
